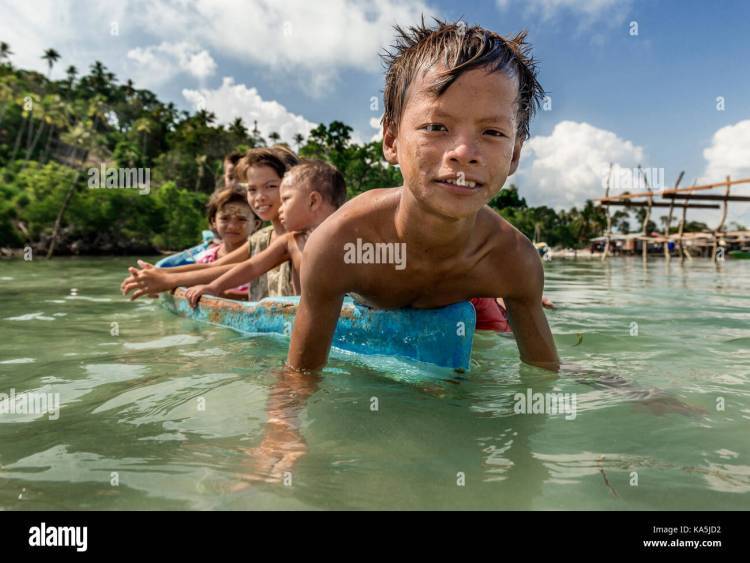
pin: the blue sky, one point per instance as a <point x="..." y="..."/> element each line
<point x="676" y="95"/>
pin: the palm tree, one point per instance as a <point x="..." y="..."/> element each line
<point x="298" y="140"/>
<point x="274" y="136"/>
<point x="205" y="117"/>
<point x="44" y="103"/>
<point x="238" y="129"/>
<point x="51" y="56"/>
<point x="57" y="119"/>
<point x="83" y="135"/>
<point x="27" y="124"/>
<point x="7" y="93"/>
<point x="71" y="72"/>
<point x="144" y="126"/>
<point x="129" y="88"/>
<point x="5" y="51"/>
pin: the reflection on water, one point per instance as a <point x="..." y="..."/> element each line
<point x="160" y="412"/>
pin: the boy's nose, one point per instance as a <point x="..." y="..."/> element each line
<point x="464" y="152"/>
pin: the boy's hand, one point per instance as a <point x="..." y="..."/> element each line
<point x="193" y="294"/>
<point x="142" y="282"/>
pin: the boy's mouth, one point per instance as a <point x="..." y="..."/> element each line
<point x="460" y="184"/>
<point x="263" y="208"/>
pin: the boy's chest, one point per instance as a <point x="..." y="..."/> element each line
<point x="426" y="285"/>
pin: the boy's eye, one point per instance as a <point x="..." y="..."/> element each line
<point x="495" y="133"/>
<point x="434" y="127"/>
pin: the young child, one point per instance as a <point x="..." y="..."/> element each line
<point x="310" y="192"/>
<point x="458" y="101"/>
<point x="232" y="221"/>
<point x="262" y="169"/>
<point x="230" y="168"/>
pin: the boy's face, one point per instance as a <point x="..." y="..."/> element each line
<point x="296" y="205"/>
<point x="466" y="136"/>
<point x="229" y="176"/>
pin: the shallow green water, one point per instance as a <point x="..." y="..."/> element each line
<point x="159" y="412"/>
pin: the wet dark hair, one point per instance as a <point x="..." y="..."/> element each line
<point x="459" y="48"/>
<point x="323" y="178"/>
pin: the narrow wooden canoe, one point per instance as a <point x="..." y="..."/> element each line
<point x="437" y="336"/>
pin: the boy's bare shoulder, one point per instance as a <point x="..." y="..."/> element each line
<point x="511" y="252"/>
<point x="362" y="215"/>
<point x="372" y="201"/>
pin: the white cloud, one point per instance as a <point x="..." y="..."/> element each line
<point x="79" y="31"/>
<point x="588" y="10"/>
<point x="157" y="64"/>
<point x="571" y="165"/>
<point x="291" y="37"/>
<point x="307" y="42"/>
<point x="231" y="100"/>
<point x="729" y="155"/>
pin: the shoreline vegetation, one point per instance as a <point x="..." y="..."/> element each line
<point x="53" y="133"/>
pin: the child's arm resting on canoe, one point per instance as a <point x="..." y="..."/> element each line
<point x="324" y="282"/>
<point x="245" y="272"/>
<point x="530" y="328"/>
<point x="155" y="280"/>
<point x="237" y="255"/>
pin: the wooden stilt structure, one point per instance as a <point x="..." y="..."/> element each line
<point x="724" y="210"/>
<point x="668" y="226"/>
<point x="683" y="249"/>
<point x="609" y="217"/>
<point x="650" y="201"/>
<point x="679" y="198"/>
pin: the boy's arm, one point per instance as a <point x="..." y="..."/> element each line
<point x="277" y="253"/>
<point x="324" y="281"/>
<point x="533" y="336"/>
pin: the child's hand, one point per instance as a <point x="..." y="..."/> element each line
<point x="145" y="282"/>
<point x="193" y="294"/>
<point x="547" y="303"/>
<point x="144" y="265"/>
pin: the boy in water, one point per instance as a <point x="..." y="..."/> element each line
<point x="458" y="101"/>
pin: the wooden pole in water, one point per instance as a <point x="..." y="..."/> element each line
<point x="609" y="217"/>
<point x="725" y="208"/>
<point x="668" y="226"/>
<point x="647" y="218"/>
<point x="684" y="251"/>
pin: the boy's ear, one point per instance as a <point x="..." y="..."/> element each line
<point x="516" y="157"/>
<point x="390" y="145"/>
<point x="315" y="198"/>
